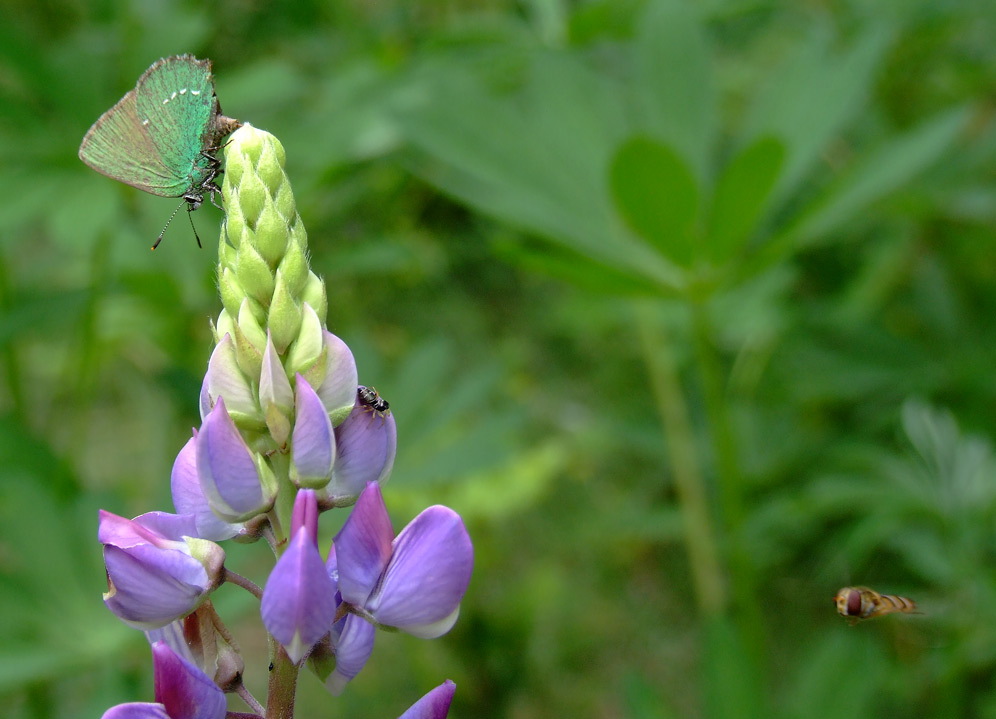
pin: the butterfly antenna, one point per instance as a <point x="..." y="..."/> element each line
<point x="196" y="236"/>
<point x="160" y="238"/>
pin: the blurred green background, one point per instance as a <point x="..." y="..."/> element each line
<point x="688" y="308"/>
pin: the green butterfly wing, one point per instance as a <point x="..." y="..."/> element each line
<point x="176" y="103"/>
<point x="118" y="146"/>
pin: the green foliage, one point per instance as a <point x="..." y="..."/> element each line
<point x="602" y="260"/>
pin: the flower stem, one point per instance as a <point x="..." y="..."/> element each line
<point x="247" y="584"/>
<point x="283" y="683"/>
<point x="250" y="700"/>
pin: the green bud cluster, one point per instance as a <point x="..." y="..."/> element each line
<point x="274" y="305"/>
<point x="264" y="279"/>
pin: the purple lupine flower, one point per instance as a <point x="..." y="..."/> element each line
<point x="237" y="483"/>
<point x="182" y="692"/>
<point x="434" y="705"/>
<point x="416" y="581"/>
<point x="313" y="449"/>
<point x="366" y="443"/>
<point x="157" y="570"/>
<point x="188" y="497"/>
<point x="299" y="598"/>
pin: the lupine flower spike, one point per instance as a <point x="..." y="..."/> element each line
<point x="286" y="433"/>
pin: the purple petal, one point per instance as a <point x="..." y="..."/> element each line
<point x="153" y="580"/>
<point x="338" y="390"/>
<point x="120" y="532"/>
<point x="434" y="705"/>
<point x="150" y="591"/>
<point x="224" y="379"/>
<point x="312" y="441"/>
<point x="299" y="598"/>
<point x="305" y="514"/>
<point x="366" y="443"/>
<point x="363" y="546"/>
<point x="428" y="574"/>
<point x="227" y="469"/>
<point x="185" y="691"/>
<point x="172" y="634"/>
<point x="136" y="710"/>
<point x="171" y="526"/>
<point x="332" y="565"/>
<point x="188" y="497"/>
<point x="352" y="650"/>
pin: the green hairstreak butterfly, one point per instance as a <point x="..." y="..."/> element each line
<point x="162" y="136"/>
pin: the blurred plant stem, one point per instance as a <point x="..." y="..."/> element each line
<point x="746" y="646"/>
<point x="703" y="557"/>
<point x="12" y="367"/>
<point x="730" y="481"/>
<point x="82" y="368"/>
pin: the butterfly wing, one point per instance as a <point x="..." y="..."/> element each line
<point x="118" y="146"/>
<point x="176" y="97"/>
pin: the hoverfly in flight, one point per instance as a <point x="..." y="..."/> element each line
<point x="857" y="603"/>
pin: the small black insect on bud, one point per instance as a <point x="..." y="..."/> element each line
<point x="369" y="398"/>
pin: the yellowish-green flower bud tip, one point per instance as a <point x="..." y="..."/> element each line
<point x="272" y="233"/>
<point x="224" y="326"/>
<point x="250" y="326"/>
<point x="299" y="235"/>
<point x="294" y="269"/>
<point x="315" y="372"/>
<point x="314" y="294"/>
<point x="254" y="274"/>
<point x="285" y="204"/>
<point x="249" y="357"/>
<point x="231" y="291"/>
<point x="278" y="424"/>
<point x="284" y="321"/>
<point x="270" y="165"/>
<point x="266" y="479"/>
<point x="309" y="344"/>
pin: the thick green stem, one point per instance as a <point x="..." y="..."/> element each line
<point x="707" y="577"/>
<point x="283" y="684"/>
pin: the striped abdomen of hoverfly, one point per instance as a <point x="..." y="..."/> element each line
<point x="857" y="603"/>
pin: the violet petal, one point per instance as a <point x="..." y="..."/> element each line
<point x="185" y="691"/>
<point x="227" y="469"/>
<point x="188" y="497"/>
<point x="366" y="444"/>
<point x="338" y="390"/>
<point x="352" y="650"/>
<point x="428" y="574"/>
<point x="136" y="710"/>
<point x="313" y="447"/>
<point x="363" y="546"/>
<point x="434" y="705"/>
<point x="299" y="598"/>
<point x="153" y="580"/>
